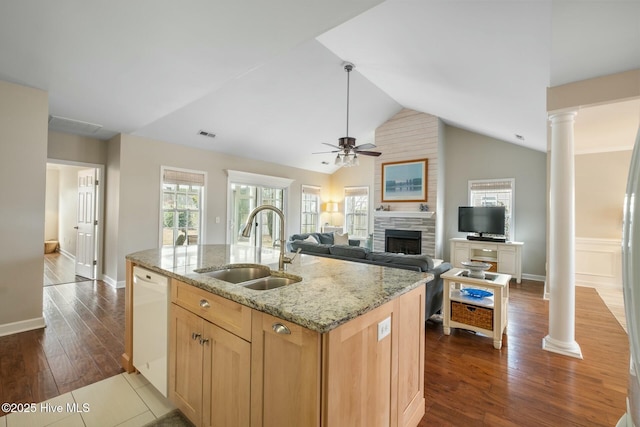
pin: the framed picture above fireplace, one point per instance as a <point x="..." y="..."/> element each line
<point x="405" y="181"/>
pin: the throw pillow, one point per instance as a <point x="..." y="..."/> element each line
<point x="311" y="239"/>
<point x="340" y="239"/>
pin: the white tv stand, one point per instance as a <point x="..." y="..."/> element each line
<point x="505" y="258"/>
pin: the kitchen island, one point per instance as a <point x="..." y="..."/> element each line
<point x="342" y="346"/>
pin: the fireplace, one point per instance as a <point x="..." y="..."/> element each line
<point x="403" y="241"/>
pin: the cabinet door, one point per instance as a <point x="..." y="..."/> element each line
<point x="506" y="261"/>
<point x="185" y="362"/>
<point x="360" y="370"/>
<point x="285" y="376"/>
<point x="227" y="374"/>
<point x="411" y="338"/>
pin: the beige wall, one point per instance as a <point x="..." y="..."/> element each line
<point x="23" y="156"/>
<point x="68" y="208"/>
<point x="355" y="176"/>
<point x="601" y="181"/>
<point x="112" y="211"/>
<point x="63" y="146"/>
<point x="133" y="172"/>
<point x="51" y="204"/>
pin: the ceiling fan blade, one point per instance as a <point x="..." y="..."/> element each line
<point x="368" y="153"/>
<point x="331" y="145"/>
<point x="365" y="146"/>
<point x="327" y="152"/>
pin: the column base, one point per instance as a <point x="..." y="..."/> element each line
<point x="571" y="349"/>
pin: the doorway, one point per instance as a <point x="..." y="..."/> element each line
<point x="244" y="199"/>
<point x="73" y="223"/>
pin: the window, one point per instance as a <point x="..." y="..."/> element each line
<point x="182" y="211"/>
<point x="246" y="192"/>
<point x="310" y="209"/>
<point x="356" y="211"/>
<point x="495" y="192"/>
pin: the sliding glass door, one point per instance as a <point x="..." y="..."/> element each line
<point x="244" y="199"/>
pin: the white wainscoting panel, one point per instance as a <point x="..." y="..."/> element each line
<point x="598" y="262"/>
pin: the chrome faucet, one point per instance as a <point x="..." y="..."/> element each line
<point x="246" y="232"/>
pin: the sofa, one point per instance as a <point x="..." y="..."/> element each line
<point x="323" y="244"/>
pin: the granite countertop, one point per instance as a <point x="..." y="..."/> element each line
<point x="331" y="291"/>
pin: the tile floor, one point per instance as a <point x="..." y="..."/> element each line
<point x="125" y="400"/>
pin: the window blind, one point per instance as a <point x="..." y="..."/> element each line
<point x="497" y="185"/>
<point x="356" y="191"/>
<point x="172" y="176"/>
<point x="312" y="191"/>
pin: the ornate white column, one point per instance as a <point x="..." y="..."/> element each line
<point x="561" y="280"/>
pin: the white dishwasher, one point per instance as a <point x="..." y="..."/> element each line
<point x="150" y="325"/>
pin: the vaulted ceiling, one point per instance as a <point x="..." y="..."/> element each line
<point x="267" y="77"/>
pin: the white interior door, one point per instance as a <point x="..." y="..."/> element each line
<point x="86" y="228"/>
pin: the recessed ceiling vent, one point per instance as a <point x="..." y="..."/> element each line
<point x="63" y="124"/>
<point x="205" y="133"/>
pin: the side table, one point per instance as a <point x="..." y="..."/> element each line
<point x="486" y="315"/>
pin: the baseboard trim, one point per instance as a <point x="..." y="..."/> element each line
<point x="112" y="282"/>
<point x="22" y="326"/>
<point x="535" y="277"/>
<point x="68" y="255"/>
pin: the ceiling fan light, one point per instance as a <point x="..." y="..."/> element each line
<point x="338" y="161"/>
<point x="356" y="160"/>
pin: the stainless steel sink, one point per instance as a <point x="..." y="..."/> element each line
<point x="239" y="274"/>
<point x="271" y="282"/>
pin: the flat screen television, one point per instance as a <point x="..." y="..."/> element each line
<point x="481" y="219"/>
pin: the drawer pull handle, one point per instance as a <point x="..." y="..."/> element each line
<point x="204" y="303"/>
<point x="204" y="341"/>
<point x="471" y="309"/>
<point x="279" y="328"/>
<point x="195" y="336"/>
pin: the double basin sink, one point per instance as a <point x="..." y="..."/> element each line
<point x="253" y="276"/>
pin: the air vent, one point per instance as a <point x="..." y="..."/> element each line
<point x="64" y="124"/>
<point x="205" y="133"/>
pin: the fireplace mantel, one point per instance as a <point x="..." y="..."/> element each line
<point x="402" y="214"/>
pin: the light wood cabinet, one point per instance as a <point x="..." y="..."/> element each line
<point x="353" y="375"/>
<point x="285" y="373"/>
<point x="366" y="372"/>
<point x="209" y="367"/>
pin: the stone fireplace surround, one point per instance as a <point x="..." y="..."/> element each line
<point x="404" y="220"/>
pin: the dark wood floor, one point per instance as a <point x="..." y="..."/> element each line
<point x="468" y="382"/>
<point x="82" y="344"/>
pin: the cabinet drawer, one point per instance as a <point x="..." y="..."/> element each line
<point x="227" y="314"/>
<point x="507" y="248"/>
<point x="484" y="246"/>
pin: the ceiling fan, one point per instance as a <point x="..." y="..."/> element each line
<point x="347" y="150"/>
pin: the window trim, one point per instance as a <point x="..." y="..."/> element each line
<point x="258" y="180"/>
<point x="368" y="222"/>
<point x="317" y="191"/>
<point x="512" y="183"/>
<point x="203" y="203"/>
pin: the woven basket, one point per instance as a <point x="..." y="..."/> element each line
<point x="472" y="315"/>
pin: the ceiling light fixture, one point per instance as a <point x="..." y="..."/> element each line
<point x="347" y="150"/>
